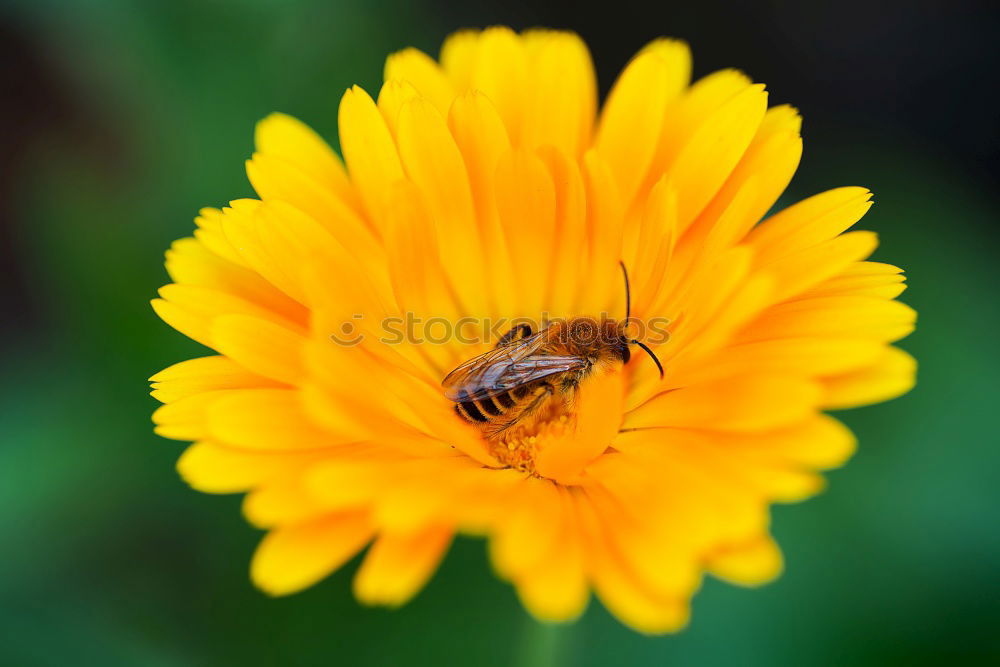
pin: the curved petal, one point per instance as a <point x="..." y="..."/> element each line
<point x="213" y="468"/>
<point x="203" y="374"/>
<point x="369" y="151"/>
<point x="397" y="566"/>
<point x="294" y="557"/>
<point x="892" y="375"/>
<point x="636" y="109"/>
<point x="560" y="99"/>
<point x="749" y="564"/>
<point x="424" y="74"/>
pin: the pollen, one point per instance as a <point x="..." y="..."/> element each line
<point x="518" y="448"/>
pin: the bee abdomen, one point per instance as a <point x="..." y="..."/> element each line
<point x="505" y="400"/>
<point x="485" y="409"/>
<point x="470" y="412"/>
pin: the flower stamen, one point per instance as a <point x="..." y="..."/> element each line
<point x="518" y="446"/>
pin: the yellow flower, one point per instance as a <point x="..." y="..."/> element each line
<point x="488" y="187"/>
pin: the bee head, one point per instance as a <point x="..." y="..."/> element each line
<point x="621" y="343"/>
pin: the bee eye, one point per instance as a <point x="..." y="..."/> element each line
<point x="624" y="353"/>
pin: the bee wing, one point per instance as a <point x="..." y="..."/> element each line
<point x="506" y="368"/>
<point x="501" y="376"/>
<point x="472" y="375"/>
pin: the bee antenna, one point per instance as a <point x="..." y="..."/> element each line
<point x="628" y="295"/>
<point x="650" y="353"/>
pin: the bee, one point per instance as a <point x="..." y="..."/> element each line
<point x="530" y="373"/>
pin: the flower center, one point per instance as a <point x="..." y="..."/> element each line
<point x="567" y="432"/>
<point x="518" y="446"/>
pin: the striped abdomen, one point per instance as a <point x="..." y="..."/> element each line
<point x="503" y="407"/>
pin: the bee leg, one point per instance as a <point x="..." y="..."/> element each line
<point x="516" y="333"/>
<point x="524" y="412"/>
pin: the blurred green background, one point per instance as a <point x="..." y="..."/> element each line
<point x="121" y="119"/>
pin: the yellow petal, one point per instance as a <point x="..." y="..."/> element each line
<point x="292" y="141"/>
<point x="458" y="57"/>
<point x="500" y="72"/>
<point x="196" y="376"/>
<point x="855" y="317"/>
<point x="261" y="346"/>
<point x="633" y="116"/>
<point x="568" y="269"/>
<point x="807" y="268"/>
<point x="808" y="356"/>
<point x="419" y="284"/>
<point x="477" y="508"/>
<point x="240" y="226"/>
<point x="191" y="310"/>
<point x="623" y="596"/>
<point x="355" y="310"/>
<point x="556" y="589"/>
<point x="212" y="236"/>
<point x="527" y="205"/>
<point x="274" y="179"/>
<point x="873" y="279"/>
<point x="774" y="481"/>
<point x="760" y="177"/>
<point x="414" y="504"/>
<point x="189" y="262"/>
<point x="690" y="110"/>
<point x="710" y="153"/>
<point x="391" y="99"/>
<point x="748" y="403"/>
<point x="431" y="490"/>
<point x="368" y="149"/>
<point x="294" y="557"/>
<point x="722" y="490"/>
<point x="634" y="606"/>
<point x="213" y="468"/>
<point x="396" y="567"/>
<point x="408" y="401"/>
<point x="709" y="241"/>
<point x="481" y="137"/>
<point x="273" y="420"/>
<point x="601" y="291"/>
<point x="294" y="240"/>
<point x="598" y="416"/>
<point x="523" y="534"/>
<point x="350" y="412"/>
<point x="281" y="501"/>
<point x="426" y="76"/>
<point x="749" y="564"/>
<point x="722" y="296"/>
<point x="187" y="418"/>
<point x="893" y="375"/>
<point x="657" y="237"/>
<point x="809" y="223"/>
<point x="434" y="164"/>
<point x="561" y="92"/>
<point x="819" y="442"/>
<point x="700" y="496"/>
<point x="351" y="480"/>
<point x="651" y="547"/>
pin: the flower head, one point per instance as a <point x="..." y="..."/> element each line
<point x="483" y="190"/>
